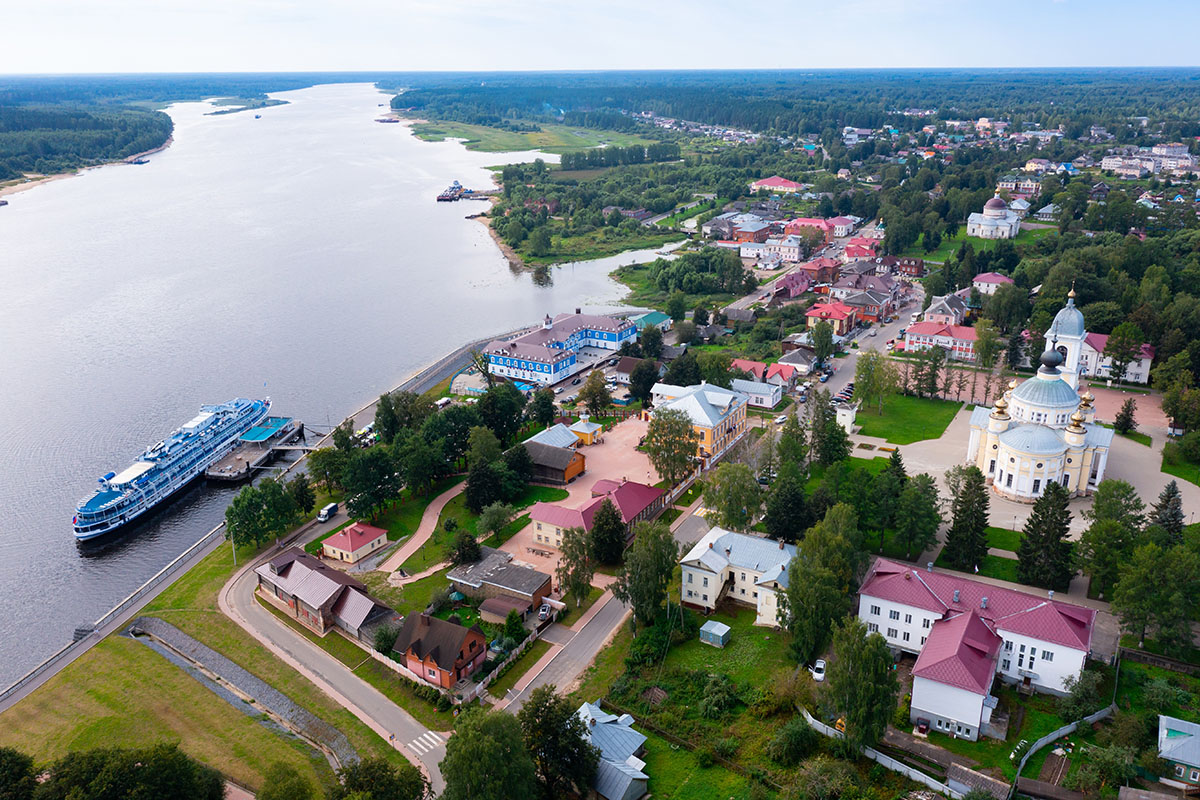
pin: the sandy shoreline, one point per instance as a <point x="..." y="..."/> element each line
<point x="25" y="186"/>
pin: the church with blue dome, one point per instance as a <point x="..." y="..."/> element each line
<point x="1041" y="430"/>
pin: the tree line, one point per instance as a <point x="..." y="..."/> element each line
<point x="615" y="155"/>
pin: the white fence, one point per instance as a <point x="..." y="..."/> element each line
<point x="885" y="761"/>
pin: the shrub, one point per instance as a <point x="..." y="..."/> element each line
<point x="794" y="742"/>
<point x="704" y="757"/>
<point x="903" y="715"/>
<point x="1083" y="695"/>
<point x="827" y="778"/>
<point x="1129" y="729"/>
<point x="726" y="748"/>
<point x="449" y="524"/>
<point x="1161" y="696"/>
<point x="385" y="639"/>
<point x="440" y="600"/>
<point x="720" y="696"/>
<point x="454" y="619"/>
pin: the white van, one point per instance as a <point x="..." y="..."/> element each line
<point x="327" y="512"/>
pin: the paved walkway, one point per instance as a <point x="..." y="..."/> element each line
<point x="396" y="579"/>
<point x="424" y="529"/>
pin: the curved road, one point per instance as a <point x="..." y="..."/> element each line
<point x="424" y="748"/>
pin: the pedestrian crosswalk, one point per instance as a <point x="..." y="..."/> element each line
<point x="425" y="742"/>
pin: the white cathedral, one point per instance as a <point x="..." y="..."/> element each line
<point x="1041" y="430"/>
<point x="996" y="222"/>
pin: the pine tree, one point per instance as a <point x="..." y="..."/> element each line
<point x="1125" y="422"/>
<point x="966" y="541"/>
<point x="831" y="443"/>
<point x="788" y="515"/>
<point x="896" y="466"/>
<point x="1044" y="558"/>
<point x="1167" y="513"/>
<point x="917" y="515"/>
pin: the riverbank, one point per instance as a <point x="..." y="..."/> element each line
<point x="34" y="180"/>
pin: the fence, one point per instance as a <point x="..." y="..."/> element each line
<point x="1050" y="737"/>
<point x="887" y="762"/>
<point x="81" y="643"/>
<point x="1155" y="660"/>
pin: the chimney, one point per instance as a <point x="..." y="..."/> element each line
<point x="780" y="544"/>
<point x="578" y="310"/>
<point x="710" y="547"/>
<point x="956" y="596"/>
<point x="929" y="566"/>
<point x="593" y="721"/>
<point x="983" y="603"/>
<point x="1051" y="594"/>
<point x="728" y="550"/>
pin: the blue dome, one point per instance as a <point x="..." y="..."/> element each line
<point x="1050" y="392"/>
<point x="1068" y="321"/>
<point x="1033" y="439"/>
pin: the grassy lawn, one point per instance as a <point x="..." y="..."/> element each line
<point x="550" y="139"/>
<point x="890" y="548"/>
<point x="691" y="495"/>
<point x="1186" y="471"/>
<point x="644" y="292"/>
<point x="571" y="613"/>
<point x="908" y="419"/>
<point x="1133" y="678"/>
<point x="405" y="599"/>
<point x="499" y="688"/>
<point x="122" y="692"/>
<point x="437" y="549"/>
<point x="1004" y="569"/>
<point x="1003" y="538"/>
<point x="1139" y="437"/>
<point x="669" y="516"/>
<point x="1191" y="655"/>
<point x="391" y="685"/>
<point x="115" y="693"/>
<point x="872" y="465"/>
<point x="675" y="773"/>
<point x="951" y="244"/>
<point x="404" y="518"/>
<point x="751" y="653"/>
<point x="600" y="243"/>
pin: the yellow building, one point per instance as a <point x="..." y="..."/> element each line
<point x="718" y="415"/>
<point x="1040" y="431"/>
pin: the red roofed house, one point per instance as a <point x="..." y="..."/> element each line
<point x="860" y="247"/>
<point x="963" y="625"/>
<point x="792" y="285"/>
<point x="438" y="651"/>
<point x="801" y="225"/>
<point x="635" y="501"/>
<point x="841" y="316"/>
<point x="776" y="374"/>
<point x="756" y="369"/>
<point x="989" y="282"/>
<point x="821" y="270"/>
<point x="841" y="226"/>
<point x="777" y="184"/>
<point x="957" y="340"/>
<point x="354" y="542"/>
<point x="1092" y="360"/>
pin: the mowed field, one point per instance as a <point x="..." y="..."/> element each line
<point x="551" y="138"/>
<point x="122" y="693"/>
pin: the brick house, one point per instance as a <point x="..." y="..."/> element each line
<point x="841" y="316"/>
<point x="317" y="595"/>
<point x="495" y="575"/>
<point x="440" y="652"/>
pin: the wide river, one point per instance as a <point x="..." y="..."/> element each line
<point x="299" y="256"/>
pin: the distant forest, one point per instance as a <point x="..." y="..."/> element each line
<point x="817" y="102"/>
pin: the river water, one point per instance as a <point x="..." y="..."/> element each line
<point x="300" y="256"/>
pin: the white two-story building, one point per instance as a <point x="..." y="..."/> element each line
<point x="562" y="346"/>
<point x="747" y="569"/>
<point x="965" y="633"/>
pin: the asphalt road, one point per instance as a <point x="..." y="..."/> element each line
<point x="335" y="679"/>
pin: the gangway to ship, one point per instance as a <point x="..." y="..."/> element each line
<point x="257" y="448"/>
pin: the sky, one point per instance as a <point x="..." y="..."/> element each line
<point x="76" y="36"/>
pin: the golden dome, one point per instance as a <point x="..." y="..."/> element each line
<point x="1012" y="384"/>
<point x="1077" y="419"/>
<point x="1001" y="405"/>
<point x="1088" y="398"/>
<point x="1072" y="292"/>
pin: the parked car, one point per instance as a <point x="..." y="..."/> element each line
<point x="803" y="398"/>
<point x="782" y="418"/>
<point x="818" y="670"/>
<point x="577" y="381"/>
<point x="824" y="378"/>
<point x="558" y="389"/>
<point x="872" y="332"/>
<point x="544" y="612"/>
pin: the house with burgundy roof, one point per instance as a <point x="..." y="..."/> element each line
<point x="635" y="501"/>
<point x="777" y="184"/>
<point x="957" y="340"/>
<point x="841" y="316"/>
<point x="821" y="270"/>
<point x="1093" y="361"/>
<point x="989" y="282"/>
<point x="964" y="632"/>
<point x="353" y="543"/>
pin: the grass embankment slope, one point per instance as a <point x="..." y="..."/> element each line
<point x="550" y="139"/>
<point x="121" y="691"/>
<point x="644" y="292"/>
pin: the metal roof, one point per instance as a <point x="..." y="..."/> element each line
<point x="1047" y="391"/>
<point x="1068" y="321"/>
<point x="556" y="436"/>
<point x="1033" y="439"/>
<point x="720" y="548"/>
<point x="1179" y="740"/>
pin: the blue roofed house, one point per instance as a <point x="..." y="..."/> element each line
<point x="559" y="348"/>
<point x="1179" y="746"/>
<point x="751" y="570"/>
<point x="621" y="773"/>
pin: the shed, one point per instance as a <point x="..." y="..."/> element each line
<point x="714" y="633"/>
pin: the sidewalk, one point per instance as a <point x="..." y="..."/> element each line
<point x="424" y="530"/>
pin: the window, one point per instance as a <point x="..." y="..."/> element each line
<point x="872" y="627"/>
<point x="925" y="623"/>
<point x="1194" y="776"/>
<point x="1006" y="665"/>
<point x="689" y="593"/>
<point x="1047" y="655"/>
<point x="966" y="731"/>
<point x="908" y="619"/>
<point x="1008" y="646"/>
<point x="756" y="595"/>
<point x="1178" y="770"/>
<point x="923" y="638"/>
<point x="906" y="636"/>
<point x="743" y="576"/>
<point x="706" y="598"/>
<point x="892" y="633"/>
<point x="1037" y="485"/>
<point x="1021" y="662"/>
<point x="991" y="466"/>
<point x="875" y="610"/>
<point x="1031" y="663"/>
<point x="743" y="591"/>
<point x="706" y="582"/>
<point x="893" y="614"/>
<point x="1008" y="481"/>
<point x="432" y="672"/>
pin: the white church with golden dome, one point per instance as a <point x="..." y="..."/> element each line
<point x="997" y="221"/>
<point x="1041" y="431"/>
